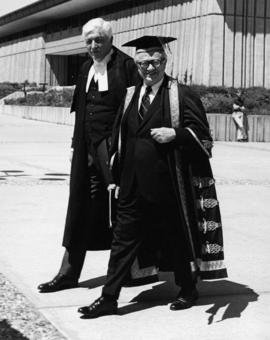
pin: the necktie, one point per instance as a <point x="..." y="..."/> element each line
<point x="145" y="102"/>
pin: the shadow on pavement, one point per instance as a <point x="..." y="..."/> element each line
<point x="232" y="296"/>
<point x="221" y="294"/>
<point x="93" y="283"/>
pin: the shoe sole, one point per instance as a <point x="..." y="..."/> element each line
<point x="56" y="290"/>
<point x="88" y="316"/>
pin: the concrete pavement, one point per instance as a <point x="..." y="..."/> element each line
<point x="34" y="167"/>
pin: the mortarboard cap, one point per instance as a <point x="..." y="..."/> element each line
<point x="148" y="41"/>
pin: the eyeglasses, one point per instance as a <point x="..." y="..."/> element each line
<point x="145" y="64"/>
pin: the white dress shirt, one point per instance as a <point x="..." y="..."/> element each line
<point x="99" y="71"/>
<point x="152" y="94"/>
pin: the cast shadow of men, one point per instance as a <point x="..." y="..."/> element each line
<point x="93" y="283"/>
<point x="234" y="296"/>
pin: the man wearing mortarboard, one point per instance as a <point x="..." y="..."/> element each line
<point x="167" y="200"/>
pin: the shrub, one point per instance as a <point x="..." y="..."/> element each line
<point x="52" y="97"/>
<point x="7" y="88"/>
<point x="218" y="99"/>
<point x="217" y="103"/>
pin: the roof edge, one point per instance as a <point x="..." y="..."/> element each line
<point x="25" y="11"/>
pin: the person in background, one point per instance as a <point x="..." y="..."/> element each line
<point x="161" y="145"/>
<point x="239" y="118"/>
<point x="101" y="87"/>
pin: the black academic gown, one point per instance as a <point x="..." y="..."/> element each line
<point x="182" y="164"/>
<point x="80" y="230"/>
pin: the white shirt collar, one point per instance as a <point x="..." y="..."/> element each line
<point x="154" y="87"/>
<point x="153" y="92"/>
<point x="99" y="71"/>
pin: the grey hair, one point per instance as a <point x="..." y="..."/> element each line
<point x="104" y="25"/>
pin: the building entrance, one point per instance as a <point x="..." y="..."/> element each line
<point x="74" y="64"/>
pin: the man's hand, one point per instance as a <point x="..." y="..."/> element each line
<point x="116" y="189"/>
<point x="163" y="134"/>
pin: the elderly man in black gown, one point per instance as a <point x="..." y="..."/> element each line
<point x="100" y="89"/>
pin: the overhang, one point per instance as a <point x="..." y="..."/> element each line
<point x="67" y="46"/>
<point x="44" y="11"/>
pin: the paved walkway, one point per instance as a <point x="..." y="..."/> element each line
<point x="34" y="167"/>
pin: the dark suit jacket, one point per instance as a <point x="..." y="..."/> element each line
<point x="145" y="160"/>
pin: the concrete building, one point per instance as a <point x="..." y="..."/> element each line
<point x="220" y="42"/>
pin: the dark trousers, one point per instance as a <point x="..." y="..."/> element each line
<point x="99" y="177"/>
<point x="136" y="219"/>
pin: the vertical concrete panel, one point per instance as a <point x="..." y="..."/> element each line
<point x="175" y="11"/>
<point x="221" y="127"/>
<point x="159" y="13"/>
<point x="8" y="60"/>
<point x="230" y="7"/>
<point x="250" y="53"/>
<point x="13" y="63"/>
<point x="238" y="52"/>
<point x="259" y="53"/>
<point x="239" y="7"/>
<point x="181" y="50"/>
<point x="31" y="67"/>
<point x="20" y="63"/>
<point x="232" y="129"/>
<point x="27" y="60"/>
<point x="47" y="69"/>
<point x="191" y="50"/>
<point x="267" y="129"/>
<point x="42" y="63"/>
<point x="204" y="7"/>
<point x="251" y="7"/>
<point x="196" y="51"/>
<point x="193" y="8"/>
<point x="3" y="68"/>
<point x="260" y="129"/>
<point x="267" y="54"/>
<point x="207" y="50"/>
<point x="39" y="67"/>
<point x="228" y="51"/>
<point x="267" y="12"/>
<point x="201" y="51"/>
<point x="185" y="50"/>
<point x="260" y="8"/>
<point x="216" y="55"/>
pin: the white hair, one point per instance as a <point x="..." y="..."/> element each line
<point x="100" y="23"/>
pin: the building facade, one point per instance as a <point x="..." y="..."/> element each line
<point x="219" y="42"/>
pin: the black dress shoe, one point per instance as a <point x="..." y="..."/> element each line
<point x="59" y="282"/>
<point x="185" y="300"/>
<point x="101" y="306"/>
